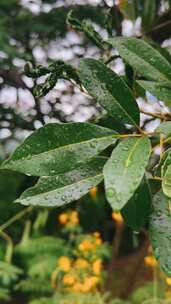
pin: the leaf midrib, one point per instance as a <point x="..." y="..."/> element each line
<point x="130" y="154"/>
<point x="118" y="104"/>
<point x="50" y="151"/>
<point x="134" y="53"/>
<point x="76" y="183"/>
<point x="121" y="107"/>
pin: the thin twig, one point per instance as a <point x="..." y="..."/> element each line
<point x="9" y="250"/>
<point x="15" y="218"/>
<point x="155" y="115"/>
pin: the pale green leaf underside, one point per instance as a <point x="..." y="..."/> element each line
<point x="58" y="148"/>
<point x="62" y="189"/>
<point x="166" y="180"/>
<point x="145" y="59"/>
<point x="160" y="227"/>
<point x="164" y="129"/>
<point x="109" y="90"/>
<point x="125" y="169"/>
<point x="162" y="92"/>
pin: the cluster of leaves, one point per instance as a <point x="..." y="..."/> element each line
<point x="72" y="158"/>
<point x="64" y="156"/>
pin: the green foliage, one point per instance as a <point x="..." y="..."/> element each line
<point x="125" y="164"/>
<point x="160" y="231"/>
<point x="162" y="92"/>
<point x="64" y="188"/>
<point x="47" y="151"/>
<point x="146" y="61"/>
<point x="96" y="298"/>
<point x="109" y="90"/>
<point x="62" y="154"/>
<point x="72" y="158"/>
<point x="138" y="208"/>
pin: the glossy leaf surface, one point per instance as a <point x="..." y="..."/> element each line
<point x="109" y="90"/>
<point x="162" y="92"/>
<point x="160" y="227"/>
<point x="166" y="180"/>
<point x="147" y="61"/>
<point x="125" y="169"/>
<point x="164" y="162"/>
<point x="164" y="128"/>
<point x="58" y="148"/>
<point x="62" y="189"/>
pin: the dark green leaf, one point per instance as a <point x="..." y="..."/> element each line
<point x="65" y="188"/>
<point x="166" y="181"/>
<point x="58" y="148"/>
<point x="128" y="9"/>
<point x="124" y="170"/>
<point x="164" y="162"/>
<point x="149" y="14"/>
<point x="109" y="90"/>
<point x="147" y="61"/>
<point x="160" y="227"/>
<point x="162" y="92"/>
<point x="138" y="209"/>
<point x="163" y="51"/>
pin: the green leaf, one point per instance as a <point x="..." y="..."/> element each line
<point x="109" y="90"/>
<point x="164" y="162"/>
<point x="159" y="229"/>
<point x="162" y="92"/>
<point x="138" y="209"/>
<point x="166" y="180"/>
<point x="164" y="128"/>
<point x="147" y="61"/>
<point x="149" y="13"/>
<point x="128" y="9"/>
<point x="65" y="188"/>
<point x="58" y="148"/>
<point x="125" y="169"/>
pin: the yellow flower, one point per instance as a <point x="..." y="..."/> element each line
<point x="74" y="220"/>
<point x="90" y="284"/>
<point x="150" y="261"/>
<point x="81" y="263"/>
<point x="63" y="218"/>
<point x="117" y="217"/>
<point x="97" y="267"/>
<point x="64" y="263"/>
<point x="168" y="294"/>
<point x="98" y="241"/>
<point x="68" y="280"/>
<point x="93" y="192"/>
<point x="77" y="287"/>
<point x="96" y="234"/>
<point x="86" y="245"/>
<point x="168" y="281"/>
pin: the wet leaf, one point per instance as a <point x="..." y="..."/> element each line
<point x="109" y="90"/>
<point x="157" y="89"/>
<point x="166" y="180"/>
<point x="62" y="189"/>
<point x="159" y="229"/>
<point x="145" y="59"/>
<point x="58" y="148"/>
<point x="149" y="14"/>
<point x="125" y="169"/>
<point x="138" y="209"/>
<point x="164" y="162"/>
<point x="164" y="128"/>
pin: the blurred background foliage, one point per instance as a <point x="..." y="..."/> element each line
<point x="40" y="248"/>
